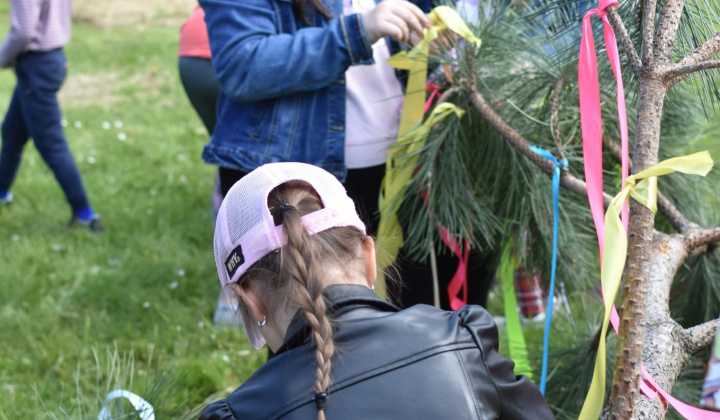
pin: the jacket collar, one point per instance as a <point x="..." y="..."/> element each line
<point x="341" y="298"/>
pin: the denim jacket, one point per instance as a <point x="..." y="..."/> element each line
<point x="276" y="103"/>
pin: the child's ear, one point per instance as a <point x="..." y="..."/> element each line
<point x="252" y="300"/>
<point x="369" y="261"/>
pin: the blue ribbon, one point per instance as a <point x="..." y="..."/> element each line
<point x="556" y="210"/>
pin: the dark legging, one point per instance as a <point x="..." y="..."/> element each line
<point x="198" y="79"/>
<point x="363" y="186"/>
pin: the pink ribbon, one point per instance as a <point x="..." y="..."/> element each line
<point x="591" y="124"/>
<point x="591" y="121"/>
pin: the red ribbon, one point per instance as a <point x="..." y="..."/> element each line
<point x="591" y="124"/>
<point x="434" y="90"/>
<point x="459" y="280"/>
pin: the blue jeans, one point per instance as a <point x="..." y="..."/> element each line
<point x="35" y="112"/>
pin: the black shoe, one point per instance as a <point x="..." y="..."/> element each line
<point x="93" y="224"/>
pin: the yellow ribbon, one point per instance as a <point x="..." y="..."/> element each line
<point x="410" y="136"/>
<point x="643" y="188"/>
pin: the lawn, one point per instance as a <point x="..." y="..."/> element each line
<point x="145" y="287"/>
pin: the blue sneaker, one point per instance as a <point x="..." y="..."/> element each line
<point x="93" y="223"/>
<point x="7" y="199"/>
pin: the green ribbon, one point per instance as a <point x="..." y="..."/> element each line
<point x="516" y="338"/>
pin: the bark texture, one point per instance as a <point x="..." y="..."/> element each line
<point x="642" y="221"/>
<point x="664" y="354"/>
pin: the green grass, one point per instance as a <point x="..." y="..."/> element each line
<point x="65" y="293"/>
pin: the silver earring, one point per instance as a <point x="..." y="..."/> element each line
<point x="372" y="286"/>
<point x="262" y="324"/>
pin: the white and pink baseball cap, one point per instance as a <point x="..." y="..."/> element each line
<point x="245" y="231"/>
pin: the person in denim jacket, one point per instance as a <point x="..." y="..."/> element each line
<point x="307" y="81"/>
<point x="282" y="75"/>
<point x="282" y="66"/>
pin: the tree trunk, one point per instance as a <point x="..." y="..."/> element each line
<point x="640" y="236"/>
<point x="664" y="354"/>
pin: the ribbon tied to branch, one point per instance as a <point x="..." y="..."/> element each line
<point x="559" y="164"/>
<point x="643" y="188"/>
<point x="591" y="124"/>
<point x="412" y="133"/>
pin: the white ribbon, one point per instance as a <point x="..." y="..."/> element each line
<point x="143" y="408"/>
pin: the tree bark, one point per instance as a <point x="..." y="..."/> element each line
<point x="632" y="316"/>
<point x="664" y="354"/>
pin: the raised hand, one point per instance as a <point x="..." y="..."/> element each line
<point x="396" y="19"/>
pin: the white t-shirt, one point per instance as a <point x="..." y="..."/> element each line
<point x="373" y="104"/>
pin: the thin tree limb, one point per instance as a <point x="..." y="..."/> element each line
<point x="673" y="215"/>
<point x="648" y="31"/>
<point x="628" y="47"/>
<point x="674" y="81"/>
<point x="699" y="237"/>
<point x="699" y="336"/>
<point x="448" y="93"/>
<point x="696" y="60"/>
<point x="517" y="141"/>
<point x="686" y="70"/>
<point x="704" y="52"/>
<point x="555" y="115"/>
<point x="667" y="29"/>
<point x="613" y="149"/>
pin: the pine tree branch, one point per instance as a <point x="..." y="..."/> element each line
<point x="703" y="52"/>
<point x="612" y="148"/>
<point x="667" y="28"/>
<point x="698" y="237"/>
<point x="697" y="60"/>
<point x="621" y="32"/>
<point x="648" y="31"/>
<point x="517" y="141"/>
<point x="686" y="70"/>
<point x="448" y="93"/>
<point x="668" y="255"/>
<point x="673" y="215"/>
<point x="699" y="336"/>
<point x="555" y="115"/>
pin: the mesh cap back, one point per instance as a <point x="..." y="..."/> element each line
<point x="245" y="230"/>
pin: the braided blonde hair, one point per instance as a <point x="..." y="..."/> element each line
<point x="296" y="275"/>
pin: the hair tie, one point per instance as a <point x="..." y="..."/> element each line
<point x="321" y="400"/>
<point x="286" y="207"/>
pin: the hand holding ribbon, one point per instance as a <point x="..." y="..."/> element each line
<point x="400" y="162"/>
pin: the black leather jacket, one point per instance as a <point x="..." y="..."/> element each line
<point x="417" y="363"/>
